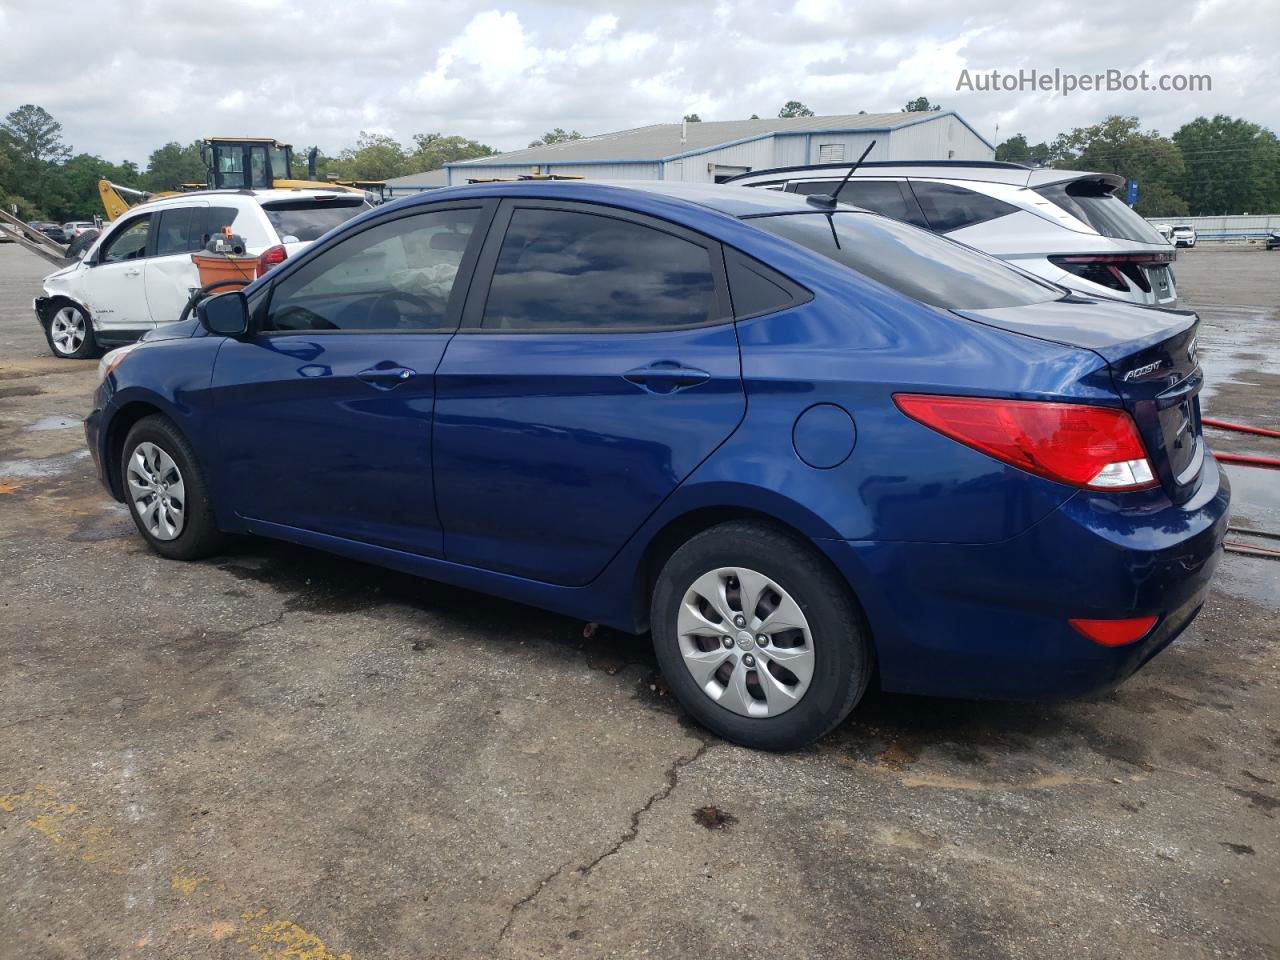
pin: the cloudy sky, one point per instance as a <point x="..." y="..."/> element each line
<point x="125" y="77"/>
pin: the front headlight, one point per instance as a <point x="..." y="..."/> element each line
<point x="111" y="359"/>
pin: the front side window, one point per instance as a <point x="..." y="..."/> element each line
<point x="561" y="269"/>
<point x="914" y="262"/>
<point x="129" y="244"/>
<point x="949" y="207"/>
<point x="397" y="276"/>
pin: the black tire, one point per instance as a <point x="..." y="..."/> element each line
<point x="88" y="347"/>
<point x="199" y="535"/>
<point x="843" y="656"/>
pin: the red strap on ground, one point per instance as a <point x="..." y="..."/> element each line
<point x="1239" y="428"/>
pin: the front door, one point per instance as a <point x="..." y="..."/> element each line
<point x="596" y="368"/>
<point x="325" y="411"/>
<point x="115" y="292"/>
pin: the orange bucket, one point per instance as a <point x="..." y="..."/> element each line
<point x="217" y="266"/>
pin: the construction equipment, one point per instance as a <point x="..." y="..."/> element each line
<point x="238" y="163"/>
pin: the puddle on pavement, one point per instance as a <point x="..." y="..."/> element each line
<point x="57" y="421"/>
<point x="43" y="467"/>
<point x="1250" y="578"/>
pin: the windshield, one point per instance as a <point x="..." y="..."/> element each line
<point x="1093" y="202"/>
<point x="914" y="262"/>
<point x="311" y="219"/>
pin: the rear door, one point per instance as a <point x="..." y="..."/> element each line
<point x="597" y="366"/>
<point x="169" y="275"/>
<point x="325" y="412"/>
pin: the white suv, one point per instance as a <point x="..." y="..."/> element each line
<point x="1183" y="236"/>
<point x="1066" y="226"/>
<point x="139" y="273"/>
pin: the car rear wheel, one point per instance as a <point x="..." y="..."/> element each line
<point x="70" y="333"/>
<point x="166" y="491"/>
<point x="759" y="639"/>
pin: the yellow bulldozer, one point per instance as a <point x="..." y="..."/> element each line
<point x="239" y="163"/>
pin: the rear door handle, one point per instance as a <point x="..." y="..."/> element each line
<point x="666" y="376"/>
<point x="386" y="375"/>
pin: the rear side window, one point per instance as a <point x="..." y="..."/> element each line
<point x="1093" y="202"/>
<point x="311" y="219"/>
<point x="882" y="196"/>
<point x="567" y="269"/>
<point x="948" y="207"/>
<point x="754" y="288"/>
<point x="914" y="262"/>
<point x="177" y="231"/>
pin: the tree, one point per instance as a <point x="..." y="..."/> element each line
<point x="431" y="151"/>
<point x="692" y="118"/>
<point x="558" y="135"/>
<point x="794" y="108"/>
<point x="1017" y="150"/>
<point x="754" y="116"/>
<point x="1231" y="166"/>
<point x="34" y="135"/>
<point x="374" y="157"/>
<point x="920" y="105"/>
<point x="173" y="165"/>
<point x="1119" y="145"/>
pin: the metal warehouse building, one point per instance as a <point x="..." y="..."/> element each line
<point x="715" y="150"/>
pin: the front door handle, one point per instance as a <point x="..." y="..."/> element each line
<point x="666" y="376"/>
<point x="135" y="272"/>
<point x="386" y="375"/>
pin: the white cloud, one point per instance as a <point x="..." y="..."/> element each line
<point x="505" y="72"/>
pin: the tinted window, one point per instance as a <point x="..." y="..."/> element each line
<point x="752" y="290"/>
<point x="948" y="207"/>
<point x="173" y="234"/>
<point x="215" y="220"/>
<point x="560" y="268"/>
<point x="882" y="196"/>
<point x="919" y="264"/>
<point x="129" y="243"/>
<point x="395" y="276"/>
<point x="311" y="219"/>
<point x="1093" y="202"/>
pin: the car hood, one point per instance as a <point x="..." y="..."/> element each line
<point x="181" y="330"/>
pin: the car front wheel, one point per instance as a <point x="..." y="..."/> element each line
<point x="166" y="491"/>
<point x="70" y="333"/>
<point x="759" y="639"/>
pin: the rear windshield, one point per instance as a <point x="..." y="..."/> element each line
<point x="914" y="262"/>
<point x="311" y="219"/>
<point x="1093" y="202"/>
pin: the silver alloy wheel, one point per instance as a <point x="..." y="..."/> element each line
<point x="745" y="642"/>
<point x="156" y="489"/>
<point x="68" y="330"/>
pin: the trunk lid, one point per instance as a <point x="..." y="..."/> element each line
<point x="1151" y="355"/>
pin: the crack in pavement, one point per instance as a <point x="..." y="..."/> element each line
<point x="672" y="778"/>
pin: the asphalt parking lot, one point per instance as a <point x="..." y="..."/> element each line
<point x="280" y="754"/>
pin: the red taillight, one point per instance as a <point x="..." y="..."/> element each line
<point x="1115" y="633"/>
<point x="1097" y="448"/>
<point x="270" y="257"/>
<point x="1117" y="271"/>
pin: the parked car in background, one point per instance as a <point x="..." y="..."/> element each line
<point x="1183" y="236"/>
<point x="1273" y="240"/>
<point x="801" y="447"/>
<point x="76" y="227"/>
<point x="1066" y="226"/>
<point x="139" y="272"/>
<point x="51" y="230"/>
<point x="1164" y="230"/>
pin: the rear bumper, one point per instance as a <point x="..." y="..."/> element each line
<point x="990" y="620"/>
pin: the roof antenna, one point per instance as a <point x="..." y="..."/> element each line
<point x="828" y="200"/>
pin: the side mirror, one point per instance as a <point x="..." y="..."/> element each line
<point x="227" y="314"/>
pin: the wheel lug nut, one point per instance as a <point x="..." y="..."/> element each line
<point x="727" y="641"/>
<point x="762" y="640"/>
<point x="740" y="621"/>
<point x="749" y="660"/>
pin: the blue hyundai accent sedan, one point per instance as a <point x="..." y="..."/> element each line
<point x="803" y="446"/>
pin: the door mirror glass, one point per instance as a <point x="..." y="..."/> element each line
<point x="226" y="314"/>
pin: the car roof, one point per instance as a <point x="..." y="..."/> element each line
<point x="732" y="201"/>
<point x="254" y="196"/>
<point x="989" y="171"/>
